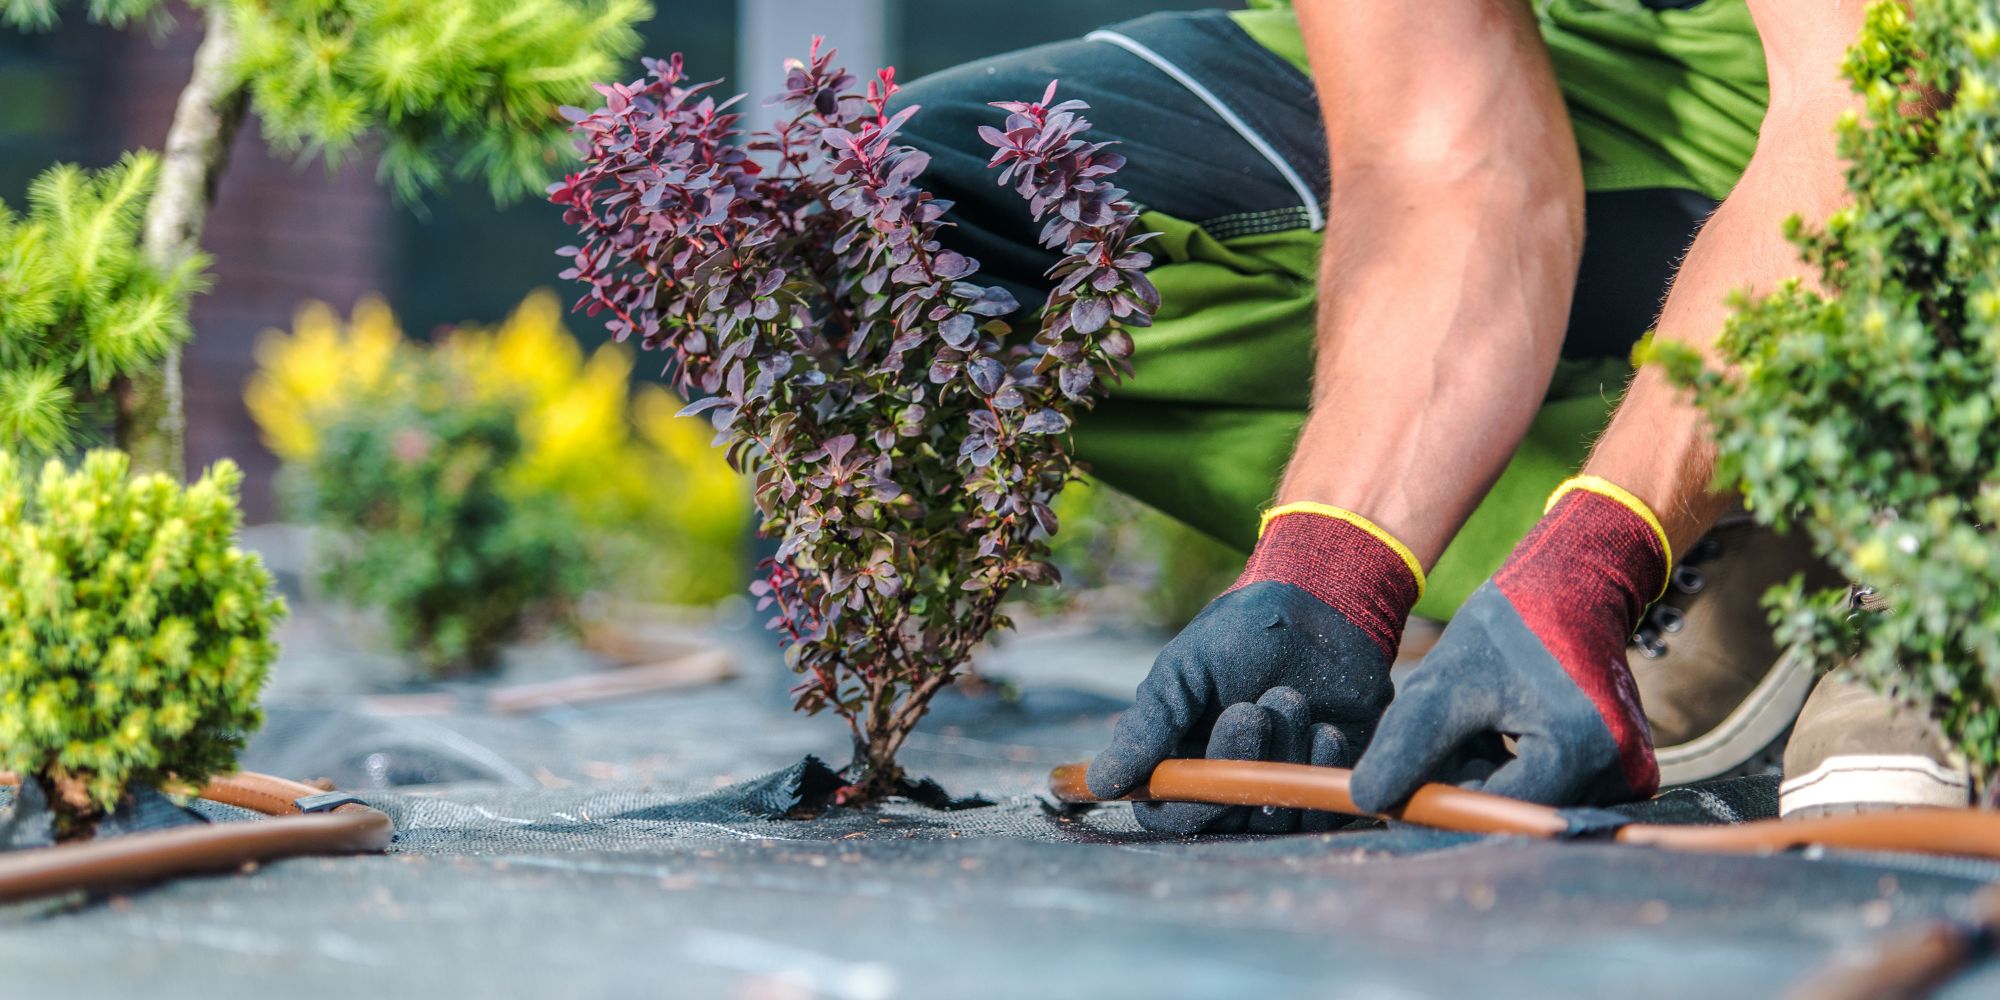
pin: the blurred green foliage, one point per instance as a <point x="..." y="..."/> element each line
<point x="1867" y="413"/>
<point x="134" y="634"/>
<point x="79" y="305"/>
<point x="1124" y="560"/>
<point x="410" y="489"/>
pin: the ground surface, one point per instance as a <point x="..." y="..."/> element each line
<point x="585" y="852"/>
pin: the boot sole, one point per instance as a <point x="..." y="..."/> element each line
<point x="1751" y="727"/>
<point x="1857" y="783"/>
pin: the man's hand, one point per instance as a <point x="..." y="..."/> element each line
<point x="1292" y="664"/>
<point x="1536" y="654"/>
<point x="1265" y="672"/>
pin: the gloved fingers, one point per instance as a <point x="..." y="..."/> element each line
<point x="1166" y="708"/>
<point x="1536" y="774"/>
<point x="1329" y="749"/>
<point x="1243" y="731"/>
<point x="1330" y="746"/>
<point x="1475" y="761"/>
<point x="1419" y="736"/>
<point x="1291" y="743"/>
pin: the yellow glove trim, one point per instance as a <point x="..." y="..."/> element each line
<point x="1343" y="514"/>
<point x="1606" y="488"/>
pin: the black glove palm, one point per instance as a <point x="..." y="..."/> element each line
<point x="1266" y="672"/>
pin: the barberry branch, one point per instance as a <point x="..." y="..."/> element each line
<point x="905" y="444"/>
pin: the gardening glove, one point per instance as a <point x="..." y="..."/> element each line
<point x="1290" y="664"/>
<point x="1537" y="653"/>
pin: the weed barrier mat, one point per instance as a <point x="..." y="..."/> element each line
<point x="622" y="849"/>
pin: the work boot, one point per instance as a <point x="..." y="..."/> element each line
<point x="1718" y="692"/>
<point x="1855" y="750"/>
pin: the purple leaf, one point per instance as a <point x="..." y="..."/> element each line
<point x="1117" y="343"/>
<point x="958" y="330"/>
<point x="1076" y="381"/>
<point x="1045" y="422"/>
<point x="952" y="265"/>
<point x="1090" y="315"/>
<point x="993" y="301"/>
<point x="986" y="374"/>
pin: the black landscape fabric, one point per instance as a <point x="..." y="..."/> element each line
<point x="628" y="849"/>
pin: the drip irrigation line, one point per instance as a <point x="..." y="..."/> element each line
<point x="1967" y="832"/>
<point x="303" y="820"/>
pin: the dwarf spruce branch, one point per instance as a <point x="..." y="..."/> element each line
<point x="81" y="306"/>
<point x="905" y="444"/>
<point x="464" y="89"/>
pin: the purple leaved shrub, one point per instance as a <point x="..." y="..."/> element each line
<point x="905" y="442"/>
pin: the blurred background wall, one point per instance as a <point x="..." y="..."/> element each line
<point x="283" y="233"/>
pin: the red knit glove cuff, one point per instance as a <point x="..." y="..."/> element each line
<point x="1592" y="550"/>
<point x="1345" y="561"/>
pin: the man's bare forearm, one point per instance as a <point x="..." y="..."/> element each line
<point x="1658" y="445"/>
<point x="1451" y="252"/>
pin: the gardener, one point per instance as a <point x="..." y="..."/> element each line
<point x="1464" y="335"/>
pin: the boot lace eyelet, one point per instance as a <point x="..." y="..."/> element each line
<point x="1669" y="619"/>
<point x="1649" y="644"/>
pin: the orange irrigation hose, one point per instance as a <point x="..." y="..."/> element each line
<point x="1909" y="962"/>
<point x="346" y="828"/>
<point x="1968" y="832"/>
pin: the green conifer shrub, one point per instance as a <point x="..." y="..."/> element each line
<point x="411" y="487"/>
<point x="1867" y="415"/>
<point x="79" y="305"/>
<point x="134" y="634"/>
<point x="443" y="88"/>
<point x="466" y="88"/>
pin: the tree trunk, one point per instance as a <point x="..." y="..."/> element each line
<point x="873" y="774"/>
<point x="151" y="425"/>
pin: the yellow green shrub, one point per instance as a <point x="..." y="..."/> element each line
<point x="662" y="511"/>
<point x="134" y="634"/>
